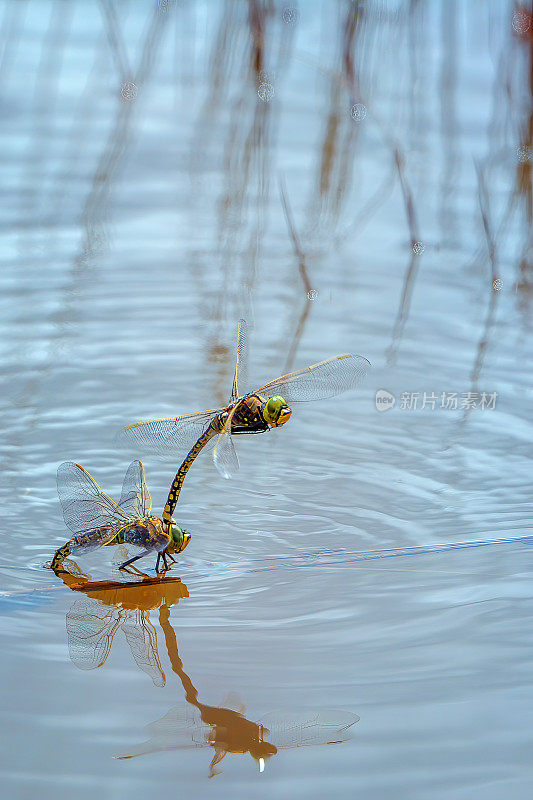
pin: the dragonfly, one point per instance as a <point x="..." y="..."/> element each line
<point x="247" y="412"/>
<point x="225" y="728"/>
<point x="228" y="731"/>
<point x="109" y="606"/>
<point x="97" y="521"/>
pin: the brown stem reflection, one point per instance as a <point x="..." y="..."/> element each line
<point x="494" y="288"/>
<point x="524" y="170"/>
<point x="412" y="270"/>
<point x="340" y="135"/>
<point x="304" y="275"/>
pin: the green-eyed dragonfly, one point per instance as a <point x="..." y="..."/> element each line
<point x="97" y="521"/>
<point x="247" y="412"/>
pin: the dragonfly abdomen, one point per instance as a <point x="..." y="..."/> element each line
<point x="84" y="542"/>
<point x="141" y="533"/>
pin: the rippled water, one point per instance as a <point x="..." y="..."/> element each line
<point x="143" y="151"/>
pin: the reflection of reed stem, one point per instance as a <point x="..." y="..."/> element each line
<point x="491" y="311"/>
<point x="294" y="237"/>
<point x="302" y="267"/>
<point x="407" y="198"/>
<point x="491" y="248"/>
<point x="412" y="271"/>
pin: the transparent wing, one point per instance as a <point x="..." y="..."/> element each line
<point x="90" y="631"/>
<point x="180" y="719"/>
<point x="182" y="728"/>
<point x="83" y="503"/>
<point x="304" y="728"/>
<point x="240" y="379"/>
<point x="233" y="702"/>
<point x="135" y="498"/>
<point x="172" y="435"/>
<point x="319" y="381"/>
<point x="142" y="639"/>
<point x="224" y="454"/>
<point x="97" y="537"/>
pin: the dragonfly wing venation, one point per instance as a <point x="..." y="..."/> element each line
<point x="240" y="379"/>
<point x="135" y="499"/>
<point x="92" y="539"/>
<point x="142" y="639"/>
<point x="224" y="454"/>
<point x="83" y="503"/>
<point x="172" y="435"/>
<point x="180" y="729"/>
<point x="304" y="728"/>
<point x="90" y="631"/>
<point x="318" y="382"/>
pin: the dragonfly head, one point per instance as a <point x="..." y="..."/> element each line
<point x="179" y="539"/>
<point x="261" y="751"/>
<point x="276" y="411"/>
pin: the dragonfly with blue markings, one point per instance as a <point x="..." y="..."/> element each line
<point x="97" y="521"/>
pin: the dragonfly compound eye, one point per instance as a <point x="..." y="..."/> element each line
<point x="180" y="538"/>
<point x="276" y="411"/>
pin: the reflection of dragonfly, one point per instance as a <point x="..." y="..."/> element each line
<point x="226" y="730"/>
<point x="98" y="521"/>
<point x="252" y="412"/>
<point x="93" y="621"/>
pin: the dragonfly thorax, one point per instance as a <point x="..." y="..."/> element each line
<point x="255" y="414"/>
<point x="247" y="416"/>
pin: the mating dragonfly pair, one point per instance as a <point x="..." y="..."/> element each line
<point x="97" y="521"/>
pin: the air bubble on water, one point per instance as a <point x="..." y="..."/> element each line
<point x="265" y="92"/>
<point x="265" y="77"/>
<point x="523" y="154"/>
<point x="128" y="90"/>
<point x="358" y="112"/>
<point x="290" y="15"/>
<point x="521" y="22"/>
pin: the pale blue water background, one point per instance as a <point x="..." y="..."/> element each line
<point x="134" y="234"/>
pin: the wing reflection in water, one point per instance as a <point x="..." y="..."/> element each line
<point x="92" y="623"/>
<point x="93" y="620"/>
<point x="227" y="730"/>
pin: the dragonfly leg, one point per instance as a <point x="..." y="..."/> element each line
<point x="135" y="558"/>
<point x="132" y="570"/>
<point x="161" y="556"/>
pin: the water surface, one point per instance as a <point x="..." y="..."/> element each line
<point x="142" y="216"/>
